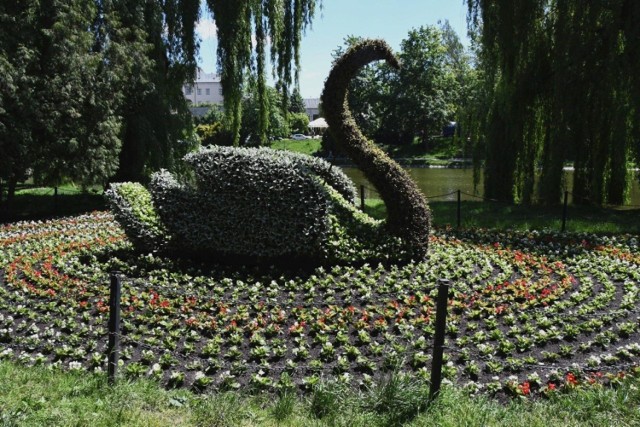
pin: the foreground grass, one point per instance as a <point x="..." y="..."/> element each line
<point x="503" y="216"/>
<point x="39" y="397"/>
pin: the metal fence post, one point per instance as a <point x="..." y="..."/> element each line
<point x="564" y="212"/>
<point x="438" y="340"/>
<point x="113" y="349"/>
<point x="55" y="200"/>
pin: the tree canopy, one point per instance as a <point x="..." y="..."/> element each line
<point x="393" y="106"/>
<point x="90" y="89"/>
<point x="58" y="98"/>
<point x="562" y="80"/>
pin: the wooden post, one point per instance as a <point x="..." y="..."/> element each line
<point x="438" y="340"/>
<point x="564" y="212"/>
<point x="113" y="349"/>
<point x="362" y="197"/>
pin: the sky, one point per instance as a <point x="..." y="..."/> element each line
<point x="390" y="20"/>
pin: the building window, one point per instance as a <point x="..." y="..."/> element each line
<point x="220" y="91"/>
<point x="207" y="91"/>
<point x="199" y="91"/>
<point x="187" y="90"/>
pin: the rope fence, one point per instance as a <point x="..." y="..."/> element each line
<point x="368" y="193"/>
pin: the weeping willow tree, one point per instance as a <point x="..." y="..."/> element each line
<point x="150" y="49"/>
<point x="278" y="23"/>
<point x="563" y="85"/>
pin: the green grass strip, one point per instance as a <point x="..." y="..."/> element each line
<point x="35" y="396"/>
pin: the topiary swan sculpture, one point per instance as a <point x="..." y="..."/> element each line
<point x="408" y="214"/>
<point x="258" y="204"/>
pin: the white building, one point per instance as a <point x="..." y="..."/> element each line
<point x="206" y="88"/>
<point x="311" y="106"/>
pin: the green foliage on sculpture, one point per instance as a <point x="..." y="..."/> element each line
<point x="252" y="204"/>
<point x="244" y="202"/>
<point x="409" y="216"/>
<point x="133" y="208"/>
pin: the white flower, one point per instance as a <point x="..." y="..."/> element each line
<point x="155" y="368"/>
<point x="74" y="365"/>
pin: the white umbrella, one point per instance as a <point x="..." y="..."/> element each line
<point x="318" y="123"/>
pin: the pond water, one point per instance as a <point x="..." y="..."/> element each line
<point x="441" y="184"/>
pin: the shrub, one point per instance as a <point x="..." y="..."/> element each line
<point x="132" y="206"/>
<point x="298" y="123"/>
<point x="256" y="204"/>
<point x="208" y="133"/>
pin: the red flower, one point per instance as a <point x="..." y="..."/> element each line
<point x="571" y="379"/>
<point x="525" y="388"/>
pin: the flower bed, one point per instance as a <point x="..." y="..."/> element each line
<point x="529" y="314"/>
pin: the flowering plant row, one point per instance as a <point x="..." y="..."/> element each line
<point x="529" y="313"/>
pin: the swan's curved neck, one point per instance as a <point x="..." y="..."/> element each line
<point x="408" y="214"/>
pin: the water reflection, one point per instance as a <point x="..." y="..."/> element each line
<point x="441" y="184"/>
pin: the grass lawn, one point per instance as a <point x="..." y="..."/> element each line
<point x="41" y="202"/>
<point x="305" y="146"/>
<point x="502" y="216"/>
<point x="41" y="397"/>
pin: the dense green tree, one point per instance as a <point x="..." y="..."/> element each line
<point x="562" y="77"/>
<point x="298" y="123"/>
<point x="152" y="47"/>
<point x="251" y="132"/>
<point x="425" y="89"/>
<point x="58" y="115"/>
<point x="296" y="103"/>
